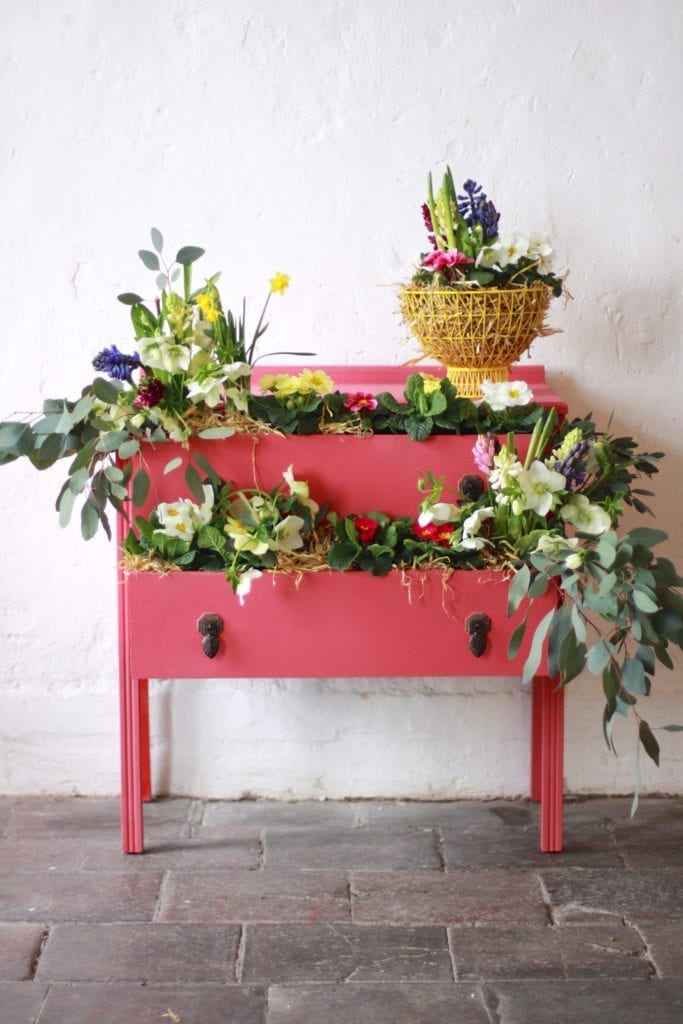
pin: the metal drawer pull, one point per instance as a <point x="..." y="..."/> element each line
<point x="478" y="625"/>
<point x="210" y="626"/>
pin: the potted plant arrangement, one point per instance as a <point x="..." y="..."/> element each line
<point x="537" y="500"/>
<point x="477" y="298"/>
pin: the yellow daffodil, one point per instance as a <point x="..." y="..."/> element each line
<point x="208" y="306"/>
<point x="279" y="283"/>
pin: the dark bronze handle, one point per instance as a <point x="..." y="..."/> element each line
<point x="210" y="626"/>
<point x="478" y="625"/>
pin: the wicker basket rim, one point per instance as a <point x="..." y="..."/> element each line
<point x="473" y="289"/>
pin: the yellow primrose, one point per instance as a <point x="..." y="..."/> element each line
<point x="279" y="283"/>
<point x="315" y="381"/>
<point x="430" y="383"/>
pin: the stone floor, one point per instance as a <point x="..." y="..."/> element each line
<point x="340" y="913"/>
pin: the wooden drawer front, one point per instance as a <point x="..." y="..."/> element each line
<point x="353" y="474"/>
<point x="331" y="624"/>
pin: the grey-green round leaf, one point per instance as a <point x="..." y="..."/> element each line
<point x="150" y="259"/>
<point x="129" y="298"/>
<point x="188" y="254"/>
<point x="157" y="239"/>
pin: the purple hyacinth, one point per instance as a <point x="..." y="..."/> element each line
<point x="572" y="466"/>
<point x="478" y="210"/>
<point x="116" y="364"/>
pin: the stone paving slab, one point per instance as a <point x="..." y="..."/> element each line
<point x="276" y="813"/>
<point x="466" y="815"/>
<point x="149" y="1004"/>
<point x="344" y="952"/>
<point x="665" y="947"/>
<point x="642" y="897"/>
<point x="463" y="897"/>
<point x="91" y="818"/>
<point x="326" y="849"/>
<point x="603" y="1002"/>
<point x="239" y="848"/>
<point x="408" y="1003"/>
<point x="521" y="849"/>
<point x="77" y="896"/>
<point x="140" y="952"/>
<point x="484" y="954"/>
<point x="224" y="897"/>
<point x="27" y="856"/>
<point x="21" y="1001"/>
<point x="19" y="948"/>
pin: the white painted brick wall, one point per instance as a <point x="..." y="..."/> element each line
<point x="298" y="136"/>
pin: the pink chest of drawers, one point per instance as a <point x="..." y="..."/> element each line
<point x="349" y="624"/>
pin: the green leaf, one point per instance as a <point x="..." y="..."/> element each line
<point x="646" y="536"/>
<point x="65" y="505"/>
<point x="105" y="391"/>
<point x="78" y="480"/>
<point x="187" y="255"/>
<point x="157" y="239"/>
<point x="54" y="423"/>
<point x="129" y="298"/>
<point x="216" y="433"/>
<point x="194" y="482"/>
<point x="599" y="656"/>
<point x="534" y="659"/>
<point x="208" y="469"/>
<point x="140" y="487"/>
<point x="211" y="538"/>
<point x="516" y="640"/>
<point x="342" y="555"/>
<point x="539" y="585"/>
<point x="572" y="659"/>
<point x="647" y="656"/>
<point x="518" y="588"/>
<point x="129" y="448"/>
<point x="150" y="259"/>
<point x="672" y="728"/>
<point x="114" y="474"/>
<point x="110" y="441"/>
<point x="647" y="738"/>
<point x="16" y="439"/>
<point x="559" y="629"/>
<point x="644" y="602"/>
<point x="633" y="676"/>
<point x="89" y="520"/>
<point x="173" y="464"/>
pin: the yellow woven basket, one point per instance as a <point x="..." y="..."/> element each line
<point x="477" y="333"/>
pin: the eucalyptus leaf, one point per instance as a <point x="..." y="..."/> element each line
<point x="140" y="490"/>
<point x="157" y="239"/>
<point x="187" y="255"/>
<point x="534" y="658"/>
<point x="194" y="482"/>
<point x="172" y="465"/>
<point x="129" y="298"/>
<point x="216" y="433"/>
<point x="105" y="391"/>
<point x="518" y="588"/>
<point x="150" y="259"/>
<point x="650" y="744"/>
<point x="129" y="448"/>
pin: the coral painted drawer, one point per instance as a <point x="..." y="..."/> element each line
<point x="326" y="624"/>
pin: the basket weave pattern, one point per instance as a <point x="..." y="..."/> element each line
<point x="475" y="332"/>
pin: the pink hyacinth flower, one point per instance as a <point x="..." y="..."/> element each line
<point x="483" y="451"/>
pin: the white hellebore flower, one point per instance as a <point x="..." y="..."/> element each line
<point x="472" y="526"/>
<point x="300" y="489"/>
<point x="587" y="518"/>
<point x="164" y="353"/>
<point x="439" y="512"/>
<point x="500" y="395"/>
<point x="540" y="487"/>
<point x="288" y="533"/>
<point x="561" y="549"/>
<point x="246" y="580"/>
<point x="209" y="390"/>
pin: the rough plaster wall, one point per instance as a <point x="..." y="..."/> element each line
<point x="298" y="136"/>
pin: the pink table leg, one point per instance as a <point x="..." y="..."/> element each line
<point x="145" y="762"/>
<point x="131" y="776"/>
<point x="549" y="698"/>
